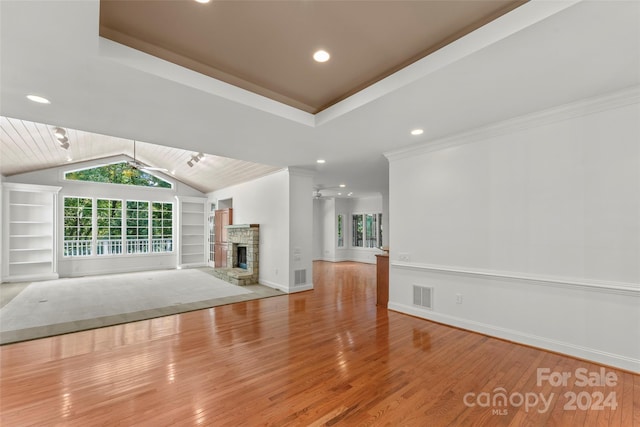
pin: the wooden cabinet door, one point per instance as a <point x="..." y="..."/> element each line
<point x="222" y="217"/>
<point x="382" y="279"/>
<point x="220" y="255"/>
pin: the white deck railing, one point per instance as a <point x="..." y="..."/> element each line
<point x="115" y="246"/>
<point x="77" y="247"/>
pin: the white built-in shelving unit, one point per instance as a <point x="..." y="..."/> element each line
<point x="29" y="232"/>
<point x="193" y="232"/>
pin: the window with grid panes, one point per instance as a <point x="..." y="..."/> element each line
<point x="78" y="226"/>
<point x="137" y="237"/>
<point x="109" y="226"/>
<point x="366" y="230"/>
<point x="162" y="227"/>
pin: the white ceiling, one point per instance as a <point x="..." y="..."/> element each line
<point x="27" y="146"/>
<point x="540" y="55"/>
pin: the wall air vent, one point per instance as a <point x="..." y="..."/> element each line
<point x="423" y="296"/>
<point x="300" y="277"/>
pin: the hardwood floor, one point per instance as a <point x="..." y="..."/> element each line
<point x="323" y="357"/>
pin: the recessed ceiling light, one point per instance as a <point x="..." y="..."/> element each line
<point x="321" y="56"/>
<point x="38" y="99"/>
<point x="339" y="194"/>
<point x="203" y="1"/>
<point x="321" y="161"/>
<point x="342" y="185"/>
<point x="417" y="132"/>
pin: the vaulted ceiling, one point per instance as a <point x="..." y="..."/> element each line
<point x="539" y="55"/>
<point x="27" y="146"/>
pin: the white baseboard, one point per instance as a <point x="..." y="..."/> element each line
<point x="336" y="259"/>
<point x="598" y="356"/>
<point x="345" y="260"/>
<point x="286" y="289"/>
<point x="30" y="278"/>
<point x="301" y="288"/>
<point x="274" y="285"/>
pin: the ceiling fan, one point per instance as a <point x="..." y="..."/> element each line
<point x="331" y="191"/>
<point x="141" y="166"/>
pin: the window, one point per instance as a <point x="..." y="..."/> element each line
<point x="367" y="230"/>
<point x="137" y="227"/>
<point x="340" y="231"/>
<point x="78" y="230"/>
<point x="371" y="225"/>
<point x="109" y="214"/>
<point x="118" y="173"/>
<point x="114" y="227"/>
<point x="161" y="227"/>
<point x="356" y="227"/>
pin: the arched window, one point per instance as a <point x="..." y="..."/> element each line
<point x="118" y="173"/>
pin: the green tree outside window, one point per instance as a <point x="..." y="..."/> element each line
<point x="118" y="173"/>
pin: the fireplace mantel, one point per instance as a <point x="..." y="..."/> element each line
<point x="241" y="226"/>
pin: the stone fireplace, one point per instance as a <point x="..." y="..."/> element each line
<point x="242" y="255"/>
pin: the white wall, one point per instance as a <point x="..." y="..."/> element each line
<point x="325" y="229"/>
<point x="81" y="266"/>
<point x="265" y="201"/>
<point x="535" y="223"/>
<point x="301" y="228"/>
<point x="2" y="236"/>
<point x="325" y="240"/>
<point x="343" y="207"/>
<point x="318" y="226"/>
<point x="385" y="218"/>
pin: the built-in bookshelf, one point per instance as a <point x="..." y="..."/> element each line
<point x="29" y="232"/>
<point x="193" y="232"/>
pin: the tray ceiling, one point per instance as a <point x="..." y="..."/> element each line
<point x="266" y="47"/>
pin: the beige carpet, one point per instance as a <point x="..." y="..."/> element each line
<point x="40" y="309"/>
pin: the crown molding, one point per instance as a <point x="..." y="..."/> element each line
<point x="30" y="187"/>
<point x="627" y="96"/>
<point x="505" y="26"/>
